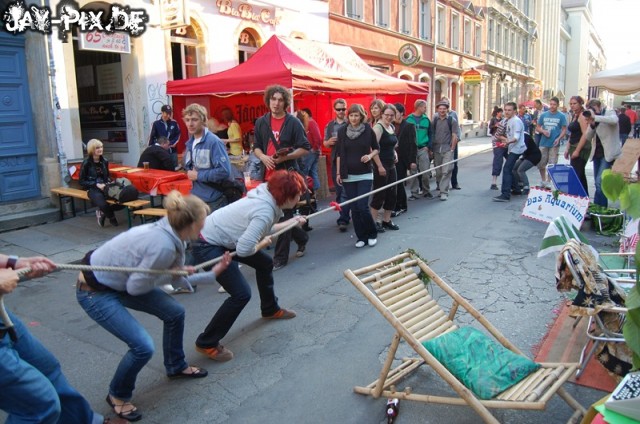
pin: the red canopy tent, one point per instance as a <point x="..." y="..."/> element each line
<point x="317" y="74"/>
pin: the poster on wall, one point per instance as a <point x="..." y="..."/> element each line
<point x="109" y="78"/>
<point x="116" y="42"/>
<point x="541" y="205"/>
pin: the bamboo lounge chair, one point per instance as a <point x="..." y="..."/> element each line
<point x="397" y="292"/>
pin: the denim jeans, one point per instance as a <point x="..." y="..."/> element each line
<point x="499" y="155"/>
<point x="32" y="386"/>
<point x="99" y="199"/>
<point x="623" y="138"/>
<point x="520" y="169"/>
<point x="507" y="175"/>
<point x="341" y="196"/>
<point x="238" y="288"/>
<point x="599" y="165"/>
<point x="363" y="223"/>
<point x="109" y="310"/>
<point x="311" y="167"/>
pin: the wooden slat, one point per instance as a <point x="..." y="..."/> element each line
<point x="151" y="212"/>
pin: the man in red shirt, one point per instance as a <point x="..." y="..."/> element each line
<point x="631" y="114"/>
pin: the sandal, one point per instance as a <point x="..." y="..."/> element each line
<point x="130" y="414"/>
<point x="190" y="372"/>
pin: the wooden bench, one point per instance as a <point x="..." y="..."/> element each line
<point x="150" y="213"/>
<point x="74" y="193"/>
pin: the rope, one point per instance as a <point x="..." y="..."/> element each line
<point x="263" y="243"/>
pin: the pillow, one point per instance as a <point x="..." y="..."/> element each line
<point x="480" y="363"/>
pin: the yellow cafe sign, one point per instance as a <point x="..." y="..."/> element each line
<point x="472" y="77"/>
<point x="247" y="12"/>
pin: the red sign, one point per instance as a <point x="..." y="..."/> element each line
<point x="472" y="77"/>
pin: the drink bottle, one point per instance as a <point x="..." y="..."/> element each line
<point x="392" y="409"/>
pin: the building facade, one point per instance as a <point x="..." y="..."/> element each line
<point x="445" y="38"/>
<point x="512" y="36"/>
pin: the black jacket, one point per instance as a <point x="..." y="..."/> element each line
<point x="158" y="158"/>
<point x="292" y="135"/>
<point x="625" y="123"/>
<point x="407" y="146"/>
<point x="89" y="173"/>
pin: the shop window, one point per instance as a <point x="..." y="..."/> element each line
<point x="425" y="19"/>
<point x="184" y="52"/>
<point x="247" y="45"/>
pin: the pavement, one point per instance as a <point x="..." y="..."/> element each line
<point x="303" y="370"/>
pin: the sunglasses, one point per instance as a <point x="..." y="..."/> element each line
<point x="340" y="109"/>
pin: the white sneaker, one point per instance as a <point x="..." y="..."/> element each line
<point x="372" y="242"/>
<point x="221" y="290"/>
<point x="360" y="244"/>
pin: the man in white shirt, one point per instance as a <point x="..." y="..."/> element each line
<point x="514" y="139"/>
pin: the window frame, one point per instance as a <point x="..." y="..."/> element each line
<point x="382" y="17"/>
<point x="404" y="14"/>
<point x="356" y="11"/>
<point x="467" y="36"/>
<point x="455" y="31"/>
<point x="478" y="40"/>
<point x="441" y="22"/>
<point x="424" y="20"/>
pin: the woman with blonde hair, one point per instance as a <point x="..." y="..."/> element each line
<point x="107" y="296"/>
<point x="375" y="111"/>
<point x="94" y="176"/>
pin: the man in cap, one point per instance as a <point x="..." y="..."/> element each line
<point x="444" y="139"/>
<point x="166" y="127"/>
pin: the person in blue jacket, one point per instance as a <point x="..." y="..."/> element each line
<point x="169" y="128"/>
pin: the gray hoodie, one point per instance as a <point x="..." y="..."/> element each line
<point x="151" y="246"/>
<point x="242" y="224"/>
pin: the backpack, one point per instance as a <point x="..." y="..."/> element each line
<point x="121" y="190"/>
<point x="233" y="188"/>
<point x="449" y="121"/>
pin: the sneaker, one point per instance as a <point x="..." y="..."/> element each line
<point x="183" y="290"/>
<point x="372" y="242"/>
<point x="342" y="227"/>
<point x="300" y="252"/>
<point x="443" y="196"/>
<point x="428" y="195"/>
<point x="281" y="314"/>
<point x="412" y="197"/>
<point x="390" y="225"/>
<point x="113" y="221"/>
<point x="278" y="265"/>
<point x="220" y="353"/>
<point x="379" y="227"/>
<point x="101" y="218"/>
<point x="419" y="191"/>
<point x="494" y="186"/>
<point x="501" y="198"/>
<point x="360" y="244"/>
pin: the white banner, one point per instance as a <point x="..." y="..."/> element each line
<point x="542" y="206"/>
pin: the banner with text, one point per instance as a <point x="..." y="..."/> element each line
<point x="542" y="206"/>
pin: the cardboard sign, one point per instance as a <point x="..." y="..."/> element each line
<point x="630" y="154"/>
<point x="541" y="206"/>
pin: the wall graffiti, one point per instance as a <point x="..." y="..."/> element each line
<point x="157" y="97"/>
<point x="133" y="94"/>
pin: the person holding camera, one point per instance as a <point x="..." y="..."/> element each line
<point x="604" y="133"/>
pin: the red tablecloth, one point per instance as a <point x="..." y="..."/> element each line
<point x="183" y="186"/>
<point x="147" y="181"/>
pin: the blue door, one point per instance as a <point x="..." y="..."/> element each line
<point x="18" y="155"/>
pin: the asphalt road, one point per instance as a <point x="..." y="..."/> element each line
<point x="303" y="370"/>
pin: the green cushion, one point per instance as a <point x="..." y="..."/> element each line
<point x="484" y="366"/>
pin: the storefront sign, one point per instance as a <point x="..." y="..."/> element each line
<point x="542" y="206"/>
<point x="472" y="77"/>
<point x="116" y="42"/>
<point x="104" y="120"/>
<point x="247" y="12"/>
<point x="173" y="14"/>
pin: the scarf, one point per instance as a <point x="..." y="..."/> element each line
<point x="354" y="133"/>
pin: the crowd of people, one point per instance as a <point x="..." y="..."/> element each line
<point x="371" y="149"/>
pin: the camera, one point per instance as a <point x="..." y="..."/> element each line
<point x="586" y="114"/>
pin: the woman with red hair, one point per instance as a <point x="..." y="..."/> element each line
<point x="240" y="226"/>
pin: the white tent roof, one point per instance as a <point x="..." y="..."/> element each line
<point x="623" y="80"/>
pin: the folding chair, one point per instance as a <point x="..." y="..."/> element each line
<point x="395" y="289"/>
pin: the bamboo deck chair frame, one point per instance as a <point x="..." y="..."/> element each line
<point x="394" y="288"/>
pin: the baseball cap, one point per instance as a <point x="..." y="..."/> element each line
<point x="166" y="108"/>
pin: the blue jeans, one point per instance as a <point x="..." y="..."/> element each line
<point x="109" y="309"/>
<point x="311" y="167"/>
<point x="341" y="196"/>
<point x="32" y="386"/>
<point x="520" y="169"/>
<point x="499" y="155"/>
<point x="238" y="288"/>
<point x="363" y="223"/>
<point x="599" y="165"/>
<point x="623" y="138"/>
<point x="507" y="175"/>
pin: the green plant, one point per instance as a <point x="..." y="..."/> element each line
<point x="422" y="276"/>
<point x="616" y="188"/>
